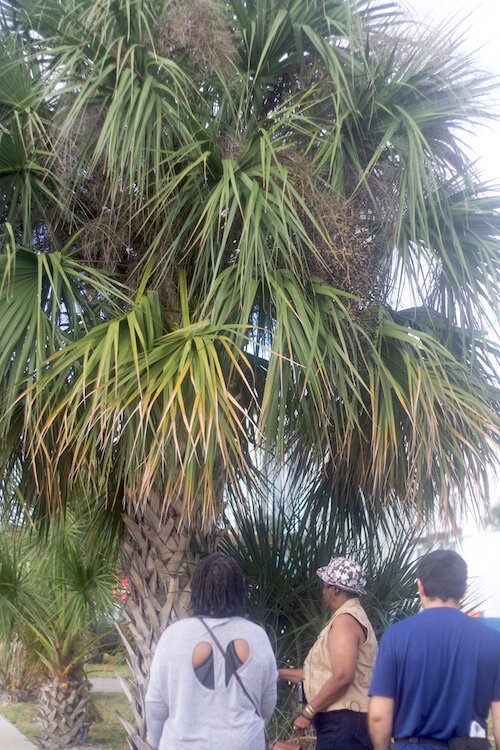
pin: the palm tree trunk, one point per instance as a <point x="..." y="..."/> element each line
<point x="20" y="681"/>
<point x="159" y="560"/>
<point x="63" y="710"/>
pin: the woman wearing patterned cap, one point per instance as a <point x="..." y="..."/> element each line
<point x="338" y="668"/>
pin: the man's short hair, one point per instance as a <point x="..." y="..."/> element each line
<point x="443" y="574"/>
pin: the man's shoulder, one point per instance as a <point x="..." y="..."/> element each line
<point x="475" y="628"/>
<point x="441" y="619"/>
<point x="485" y="632"/>
<point x="418" y="623"/>
<point x="402" y="627"/>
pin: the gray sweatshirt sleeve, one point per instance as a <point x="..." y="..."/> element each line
<point x="270" y="684"/>
<point x="156" y="715"/>
<point x="156" y="703"/>
<point x="268" y="700"/>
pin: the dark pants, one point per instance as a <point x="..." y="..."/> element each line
<point x="342" y="730"/>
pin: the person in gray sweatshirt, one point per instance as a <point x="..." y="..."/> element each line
<point x="213" y="676"/>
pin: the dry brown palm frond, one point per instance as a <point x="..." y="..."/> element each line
<point x="345" y="235"/>
<point x="102" y="247"/>
<point x="231" y="146"/>
<point x="199" y="28"/>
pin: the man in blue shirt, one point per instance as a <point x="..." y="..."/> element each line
<point x="438" y="673"/>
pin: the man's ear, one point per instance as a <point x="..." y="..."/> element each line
<point x="420" y="588"/>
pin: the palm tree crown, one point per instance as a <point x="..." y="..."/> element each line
<point x="256" y="177"/>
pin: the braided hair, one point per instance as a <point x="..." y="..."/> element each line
<point x="218" y="587"/>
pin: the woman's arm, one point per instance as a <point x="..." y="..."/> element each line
<point x="344" y="639"/>
<point x="291" y="675"/>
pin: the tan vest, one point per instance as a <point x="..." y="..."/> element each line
<point x="318" y="665"/>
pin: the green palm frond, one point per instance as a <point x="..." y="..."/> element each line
<point x="150" y="398"/>
<point x="144" y="398"/>
<point x="414" y="435"/>
<point x="56" y="300"/>
<point x="425" y="406"/>
<point x="28" y="186"/>
<point x="136" y="96"/>
<point x="17" y="593"/>
<point x="461" y="255"/>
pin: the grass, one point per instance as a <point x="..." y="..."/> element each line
<point x="23" y="716"/>
<point x="107" y="733"/>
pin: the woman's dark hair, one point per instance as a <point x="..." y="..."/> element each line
<point x="443" y="574"/>
<point x="218" y="587"/>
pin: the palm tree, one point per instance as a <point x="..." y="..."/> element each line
<point x="208" y="209"/>
<point x="50" y="604"/>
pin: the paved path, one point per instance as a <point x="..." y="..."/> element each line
<point x="11" y="738"/>
<point x="105" y="685"/>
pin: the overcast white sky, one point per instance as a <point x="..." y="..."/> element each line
<point x="480" y="21"/>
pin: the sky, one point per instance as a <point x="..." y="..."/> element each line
<point x="480" y="21"/>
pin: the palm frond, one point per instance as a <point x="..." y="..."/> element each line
<point x="56" y="299"/>
<point x="153" y="398"/>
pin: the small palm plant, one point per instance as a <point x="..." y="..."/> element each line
<point x="49" y="603"/>
<point x="20" y="674"/>
<point x="280" y="545"/>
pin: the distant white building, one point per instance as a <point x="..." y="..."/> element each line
<point x="481" y="550"/>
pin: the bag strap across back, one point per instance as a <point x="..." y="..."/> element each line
<point x="217" y="643"/>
